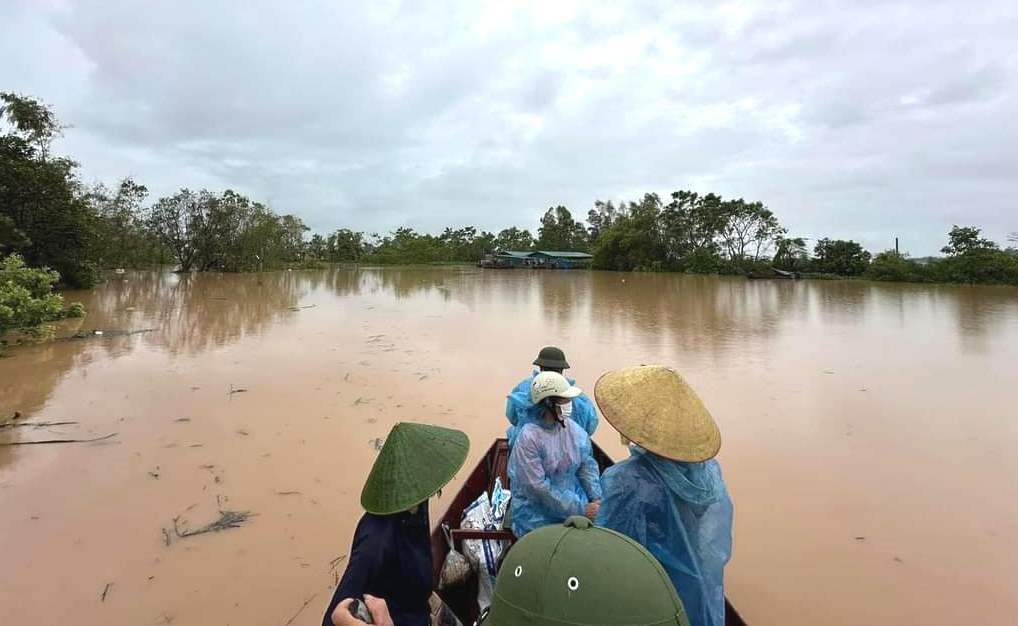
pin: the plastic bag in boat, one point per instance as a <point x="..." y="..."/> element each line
<point x="486" y="513"/>
<point x="455" y="569"/>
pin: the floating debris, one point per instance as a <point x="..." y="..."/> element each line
<point x="234" y="390"/>
<point x="34" y="424"/>
<point x="302" y="607"/>
<point x="182" y="419"/>
<point x="106" y="590"/>
<point x="377" y="442"/>
<point x="288" y="493"/>
<point x="45" y="441"/>
<point x="227" y="520"/>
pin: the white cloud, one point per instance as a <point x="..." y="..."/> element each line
<point x="855" y="119"/>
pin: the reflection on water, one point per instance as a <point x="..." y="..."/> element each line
<point x="849" y="409"/>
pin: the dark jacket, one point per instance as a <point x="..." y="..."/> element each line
<point x="390" y="559"/>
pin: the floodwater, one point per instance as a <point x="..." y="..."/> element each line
<point x="869" y="433"/>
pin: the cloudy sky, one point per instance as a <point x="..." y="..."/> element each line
<point x="856" y="119"/>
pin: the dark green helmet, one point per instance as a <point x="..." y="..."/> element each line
<point x="578" y="574"/>
<point x="551" y="357"/>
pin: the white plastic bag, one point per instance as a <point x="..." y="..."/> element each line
<point x="484" y="554"/>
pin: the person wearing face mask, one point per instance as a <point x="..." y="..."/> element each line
<point x="552" y="470"/>
<point x="520" y="411"/>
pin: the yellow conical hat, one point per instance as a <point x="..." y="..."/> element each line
<point x="654" y="407"/>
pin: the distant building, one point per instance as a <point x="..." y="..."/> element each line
<point x="539" y="259"/>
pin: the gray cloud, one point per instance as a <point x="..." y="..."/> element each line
<point x="856" y="119"/>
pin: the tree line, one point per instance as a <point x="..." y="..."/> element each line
<point x="51" y="219"/>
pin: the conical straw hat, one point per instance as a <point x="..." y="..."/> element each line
<point x="655" y="408"/>
<point x="416" y="461"/>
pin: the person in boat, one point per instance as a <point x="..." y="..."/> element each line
<point x="520" y="411"/>
<point x="578" y="574"/>
<point x="669" y="494"/>
<point x="391" y="553"/>
<point x="552" y="469"/>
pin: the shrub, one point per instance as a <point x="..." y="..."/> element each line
<point x="26" y="297"/>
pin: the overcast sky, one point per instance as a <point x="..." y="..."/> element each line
<point x="853" y="119"/>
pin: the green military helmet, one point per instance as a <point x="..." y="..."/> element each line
<point x="551" y="357"/>
<point x="415" y="462"/>
<point x="582" y="575"/>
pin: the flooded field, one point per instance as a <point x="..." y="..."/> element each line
<point x="869" y="433"/>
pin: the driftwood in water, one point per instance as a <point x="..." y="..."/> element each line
<point x="32" y="443"/>
<point x="36" y="424"/>
<point x="302" y="607"/>
<point x="227" y="519"/>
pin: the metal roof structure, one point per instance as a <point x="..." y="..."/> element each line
<point x="564" y="254"/>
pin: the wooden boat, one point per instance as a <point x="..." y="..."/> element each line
<point x="463" y="599"/>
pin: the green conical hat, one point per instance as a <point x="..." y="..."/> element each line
<point x="416" y="461"/>
<point x="578" y="574"/>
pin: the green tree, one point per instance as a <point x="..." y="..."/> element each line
<point x="966" y="239"/>
<point x="892" y="265"/>
<point x="559" y="231"/>
<point x="747" y="227"/>
<point x="47" y="220"/>
<point x="601" y="218"/>
<point x="120" y="234"/>
<point x="515" y="239"/>
<point x="973" y="259"/>
<point x="791" y="254"/>
<point x="691" y="226"/>
<point x="346" y="245"/>
<point x="840" y="257"/>
<point x="633" y="241"/>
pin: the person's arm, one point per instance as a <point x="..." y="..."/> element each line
<point x="365" y="559"/>
<point x="589" y="473"/>
<point x="530" y="477"/>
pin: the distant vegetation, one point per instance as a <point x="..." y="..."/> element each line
<point x="52" y="220"/>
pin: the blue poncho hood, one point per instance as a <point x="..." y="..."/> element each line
<point x="695" y="483"/>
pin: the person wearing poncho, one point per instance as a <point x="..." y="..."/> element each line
<point x="391" y="553"/>
<point x="669" y="495"/>
<point x="552" y="471"/>
<point x="520" y="411"/>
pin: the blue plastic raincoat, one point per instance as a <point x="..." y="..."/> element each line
<point x="682" y="514"/>
<point x="520" y="411"/>
<point x="552" y="474"/>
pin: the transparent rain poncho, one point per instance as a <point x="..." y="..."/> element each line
<point x="520" y="411"/>
<point x="552" y="474"/>
<point x="682" y="514"/>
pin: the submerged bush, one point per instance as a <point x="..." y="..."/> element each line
<point x="27" y="300"/>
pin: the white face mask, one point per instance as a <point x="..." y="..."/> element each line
<point x="566" y="410"/>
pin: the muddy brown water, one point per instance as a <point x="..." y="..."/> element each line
<point x="869" y="433"/>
